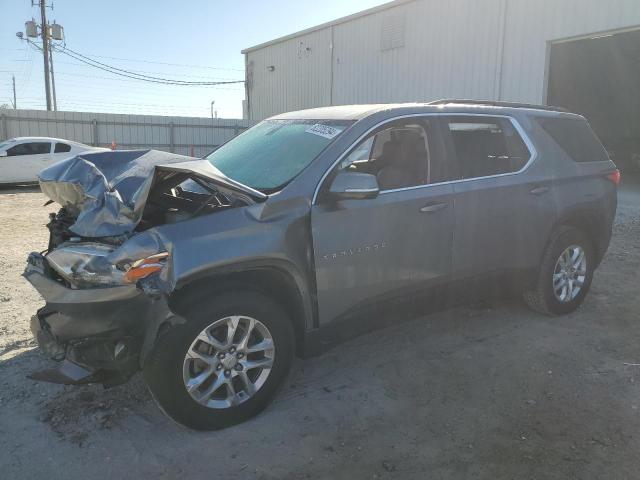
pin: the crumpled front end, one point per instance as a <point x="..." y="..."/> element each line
<point x="99" y="334"/>
<point x="115" y="194"/>
<point x="107" y="273"/>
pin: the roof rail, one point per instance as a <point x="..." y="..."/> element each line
<point x="491" y="103"/>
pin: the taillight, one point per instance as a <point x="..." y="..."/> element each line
<point x="615" y="177"/>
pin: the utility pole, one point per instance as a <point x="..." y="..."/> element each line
<point x="45" y="50"/>
<point x="15" y="102"/>
<point x="53" y="79"/>
<point x="48" y="34"/>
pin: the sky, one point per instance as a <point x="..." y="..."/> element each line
<point x="192" y="40"/>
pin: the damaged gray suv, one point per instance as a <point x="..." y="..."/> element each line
<point x="210" y="275"/>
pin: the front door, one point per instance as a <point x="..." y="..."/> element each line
<point x="398" y="243"/>
<point x="25" y="160"/>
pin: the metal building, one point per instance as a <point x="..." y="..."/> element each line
<point x="581" y="54"/>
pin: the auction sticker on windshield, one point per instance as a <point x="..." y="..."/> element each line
<point x="323" y="130"/>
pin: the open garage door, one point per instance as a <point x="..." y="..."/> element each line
<point x="599" y="77"/>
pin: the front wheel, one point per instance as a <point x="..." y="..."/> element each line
<point x="565" y="274"/>
<point x="225" y="364"/>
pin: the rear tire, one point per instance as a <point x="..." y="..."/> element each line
<point x="170" y="366"/>
<point x="560" y="288"/>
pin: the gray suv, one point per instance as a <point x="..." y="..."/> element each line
<point x="209" y="275"/>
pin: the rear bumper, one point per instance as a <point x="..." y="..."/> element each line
<point x="104" y="333"/>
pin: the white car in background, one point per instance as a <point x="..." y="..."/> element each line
<point x="22" y="158"/>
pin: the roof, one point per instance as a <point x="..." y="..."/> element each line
<point x="358" y="112"/>
<point x="322" y="26"/>
<point x="342" y="112"/>
<point x="46" y="139"/>
<point x="492" y="103"/>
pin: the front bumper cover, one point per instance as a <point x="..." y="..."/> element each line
<point x="99" y="334"/>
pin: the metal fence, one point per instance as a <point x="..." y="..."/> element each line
<point x="183" y="135"/>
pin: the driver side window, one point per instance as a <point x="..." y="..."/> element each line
<point x="33" y="148"/>
<point x="401" y="154"/>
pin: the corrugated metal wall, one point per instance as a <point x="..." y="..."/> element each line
<point x="177" y="134"/>
<point x="430" y="65"/>
<point x="300" y="77"/>
<point x="489" y="49"/>
<point x="532" y="25"/>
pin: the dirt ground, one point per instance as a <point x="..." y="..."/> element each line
<point x="484" y="392"/>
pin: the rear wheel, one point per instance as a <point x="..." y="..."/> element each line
<point x="225" y="364"/>
<point x="565" y="274"/>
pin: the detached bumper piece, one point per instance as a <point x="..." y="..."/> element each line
<point x="68" y="373"/>
<point x="102" y="359"/>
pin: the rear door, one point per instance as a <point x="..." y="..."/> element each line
<point x="372" y="250"/>
<point x="61" y="150"/>
<point x="25" y="160"/>
<point x="504" y="205"/>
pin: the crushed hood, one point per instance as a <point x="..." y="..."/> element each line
<point x="107" y="191"/>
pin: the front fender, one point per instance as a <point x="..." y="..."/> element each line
<point x="255" y="273"/>
<point x="271" y="237"/>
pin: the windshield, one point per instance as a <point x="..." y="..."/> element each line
<point x="269" y="155"/>
<point x="6" y="144"/>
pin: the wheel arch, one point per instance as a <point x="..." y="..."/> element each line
<point x="277" y="281"/>
<point x="591" y="223"/>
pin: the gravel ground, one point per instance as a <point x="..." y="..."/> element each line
<point x="492" y="391"/>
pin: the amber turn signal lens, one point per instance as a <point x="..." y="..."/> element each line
<point x="143" y="268"/>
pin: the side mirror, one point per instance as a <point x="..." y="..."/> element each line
<point x="353" y="185"/>
<point x="3" y="153"/>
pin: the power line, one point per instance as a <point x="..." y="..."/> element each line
<point x="100" y="104"/>
<point x="80" y="75"/>
<point x="84" y="65"/>
<point x="136" y="76"/>
<point x="80" y="101"/>
<point x="149" y="76"/>
<point x="128" y="110"/>
<point x="139" y="94"/>
<point x="25" y="74"/>
<point x="170" y="64"/>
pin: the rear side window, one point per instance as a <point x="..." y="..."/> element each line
<point x="576" y="138"/>
<point x="486" y="146"/>
<point x="62" y="148"/>
<point x="33" y="148"/>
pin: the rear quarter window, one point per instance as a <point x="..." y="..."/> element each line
<point x="62" y="148"/>
<point x="576" y="138"/>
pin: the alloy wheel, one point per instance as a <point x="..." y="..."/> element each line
<point x="570" y="273"/>
<point x="228" y="362"/>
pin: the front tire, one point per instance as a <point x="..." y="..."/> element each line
<point x="225" y="364"/>
<point x="565" y="274"/>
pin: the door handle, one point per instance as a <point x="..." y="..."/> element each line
<point x="540" y="191"/>
<point x="434" y="207"/>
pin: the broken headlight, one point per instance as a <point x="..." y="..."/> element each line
<point x="86" y="265"/>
